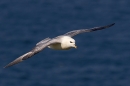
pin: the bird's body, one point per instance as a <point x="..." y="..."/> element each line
<point x="66" y="43"/>
<point x="63" y="42"/>
<point x="56" y="46"/>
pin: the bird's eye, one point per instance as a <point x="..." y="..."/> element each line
<point x="71" y="42"/>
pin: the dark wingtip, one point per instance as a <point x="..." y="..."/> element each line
<point x="111" y="24"/>
<point x="107" y="26"/>
<point x="4" y="67"/>
<point x="7" y="66"/>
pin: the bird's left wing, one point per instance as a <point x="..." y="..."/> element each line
<point x="35" y="50"/>
<point x="75" y="32"/>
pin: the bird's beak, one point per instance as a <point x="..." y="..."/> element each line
<point x="75" y="46"/>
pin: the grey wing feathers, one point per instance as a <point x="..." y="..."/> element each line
<point x="75" y="32"/>
<point x="44" y="41"/>
<point x="26" y="56"/>
<point x="18" y="60"/>
<point x="34" y="51"/>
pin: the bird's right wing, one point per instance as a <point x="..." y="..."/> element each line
<point x="44" y="41"/>
<point x="39" y="47"/>
<point x="76" y="32"/>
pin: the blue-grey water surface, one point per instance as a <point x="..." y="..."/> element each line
<point x="102" y="57"/>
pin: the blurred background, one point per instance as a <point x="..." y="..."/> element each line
<point x="102" y="57"/>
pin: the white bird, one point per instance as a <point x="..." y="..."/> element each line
<point x="62" y="42"/>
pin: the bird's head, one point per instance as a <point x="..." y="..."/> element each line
<point x="68" y="43"/>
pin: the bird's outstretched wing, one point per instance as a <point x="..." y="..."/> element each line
<point x="39" y="47"/>
<point x="43" y="41"/>
<point x="75" y="32"/>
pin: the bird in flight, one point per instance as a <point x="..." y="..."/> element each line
<point x="62" y="42"/>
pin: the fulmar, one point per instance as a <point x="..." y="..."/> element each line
<point x="62" y="42"/>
